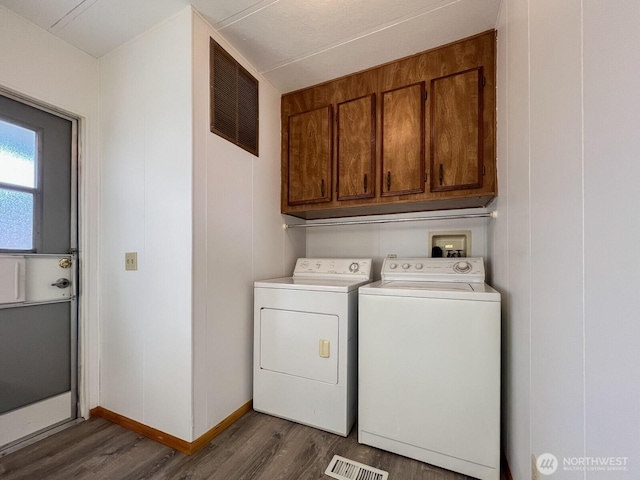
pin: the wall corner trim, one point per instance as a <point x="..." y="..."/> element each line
<point x="176" y="443"/>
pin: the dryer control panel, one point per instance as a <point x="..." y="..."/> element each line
<point x="346" y="268"/>
<point x="469" y="270"/>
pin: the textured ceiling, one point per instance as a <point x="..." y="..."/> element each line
<point x="292" y="43"/>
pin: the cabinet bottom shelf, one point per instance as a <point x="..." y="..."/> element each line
<point x="388" y="208"/>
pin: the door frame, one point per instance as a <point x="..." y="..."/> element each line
<point x="78" y="244"/>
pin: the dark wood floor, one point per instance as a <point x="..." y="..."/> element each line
<point x="256" y="447"/>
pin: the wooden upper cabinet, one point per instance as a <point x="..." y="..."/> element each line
<point x="374" y="142"/>
<point x="356" y="147"/>
<point x="402" y="163"/>
<point x="456" y="131"/>
<point x="309" y="156"/>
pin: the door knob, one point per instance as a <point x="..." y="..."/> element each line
<point x="61" y="283"/>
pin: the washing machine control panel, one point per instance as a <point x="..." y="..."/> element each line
<point x="434" y="269"/>
<point x="347" y="268"/>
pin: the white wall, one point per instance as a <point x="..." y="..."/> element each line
<point x="611" y="199"/>
<point x="238" y="238"/>
<point x="557" y="315"/>
<point x="40" y="66"/>
<point x="406" y="239"/>
<point x="567" y="148"/>
<point x="146" y="142"/>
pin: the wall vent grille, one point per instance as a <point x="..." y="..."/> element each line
<point x="234" y="100"/>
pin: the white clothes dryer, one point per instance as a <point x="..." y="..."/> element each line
<point x="305" y="343"/>
<point x="429" y="364"/>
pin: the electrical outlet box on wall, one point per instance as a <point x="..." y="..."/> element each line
<point x="450" y="244"/>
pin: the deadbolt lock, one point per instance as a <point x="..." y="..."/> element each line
<point x="65" y="263"/>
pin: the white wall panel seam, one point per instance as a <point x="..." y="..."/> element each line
<point x="529" y="206"/>
<point x="192" y="381"/>
<point x="209" y="414"/>
<point x="145" y="339"/>
<point x="504" y="163"/>
<point x="583" y="239"/>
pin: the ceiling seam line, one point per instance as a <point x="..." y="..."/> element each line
<point x="66" y="15"/>
<point x="354" y="38"/>
<point x="252" y="12"/>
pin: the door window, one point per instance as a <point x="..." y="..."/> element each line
<point x="18" y="186"/>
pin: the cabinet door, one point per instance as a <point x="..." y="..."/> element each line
<point x="456" y="131"/>
<point x="356" y="144"/>
<point x="310" y="156"/>
<point x="403" y="140"/>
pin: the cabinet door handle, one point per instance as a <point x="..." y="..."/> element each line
<point x="322" y="187"/>
<point x="388" y="181"/>
<point x="365" y="183"/>
<point x="441" y="174"/>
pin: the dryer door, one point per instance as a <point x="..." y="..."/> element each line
<point x="301" y="344"/>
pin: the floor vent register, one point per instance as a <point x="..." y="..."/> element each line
<point x="345" y="469"/>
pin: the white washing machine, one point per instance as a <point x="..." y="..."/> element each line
<point x="305" y="343"/>
<point x="429" y="364"/>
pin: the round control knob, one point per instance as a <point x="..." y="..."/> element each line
<point x="419" y="266"/>
<point x="462" y="267"/>
<point x="354" y="267"/>
<point x="406" y="266"/>
<point x="393" y="266"/>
